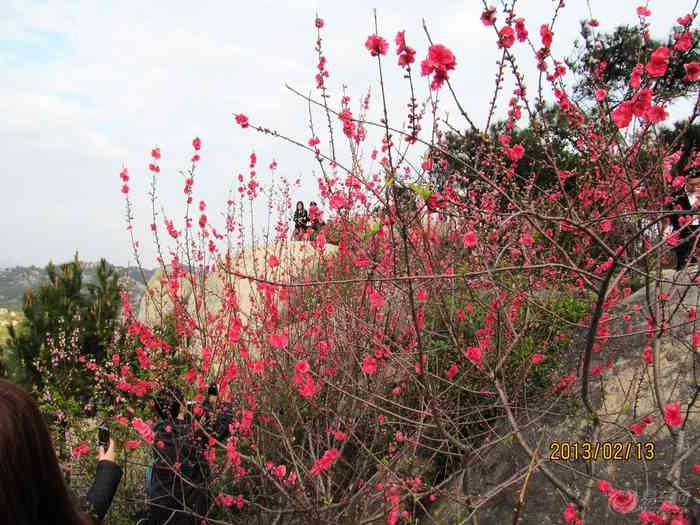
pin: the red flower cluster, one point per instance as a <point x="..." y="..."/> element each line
<point x="304" y="381"/>
<point x="369" y="365"/>
<point x="376" y="45"/>
<point x="439" y="61"/>
<point x="124" y="176"/>
<point x="570" y="515"/>
<point x="684" y="42"/>
<point x="546" y="35"/>
<point x="692" y="71"/>
<point x="506" y="37"/>
<point x="241" y="119"/>
<point x="673" y="415"/>
<point x="144" y="429"/>
<point x="348" y="123"/>
<point x="658" y="62"/>
<point x="80" y="450"/>
<point x="329" y="457"/>
<point x="520" y="30"/>
<point x="641" y="426"/>
<point x="488" y="17"/>
<point x="406" y="53"/>
<point x="619" y="501"/>
<point x="155" y="153"/>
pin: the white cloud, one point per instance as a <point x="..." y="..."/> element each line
<point x="89" y="85"/>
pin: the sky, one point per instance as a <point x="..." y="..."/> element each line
<point x="87" y="88"/>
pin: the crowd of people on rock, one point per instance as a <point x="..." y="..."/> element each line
<point x="307" y="223"/>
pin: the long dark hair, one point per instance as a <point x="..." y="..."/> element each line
<point x="302" y="206"/>
<point x="32" y="488"/>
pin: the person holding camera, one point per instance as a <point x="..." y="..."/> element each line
<point x="32" y="487"/>
<point x="178" y="486"/>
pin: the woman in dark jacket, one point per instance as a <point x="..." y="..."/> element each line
<point x="178" y="492"/>
<point x="32" y="488"/>
<point x="684" y="199"/>
<point x="301" y="220"/>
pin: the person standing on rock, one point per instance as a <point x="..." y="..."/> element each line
<point x="301" y="221"/>
<point x="316" y="216"/>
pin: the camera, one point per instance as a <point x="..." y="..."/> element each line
<point x="103" y="437"/>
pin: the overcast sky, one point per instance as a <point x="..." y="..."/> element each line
<point x="86" y="87"/>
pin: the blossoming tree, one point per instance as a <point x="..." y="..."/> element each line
<point x="485" y="350"/>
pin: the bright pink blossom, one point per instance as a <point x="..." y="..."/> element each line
<point x="658" y="62"/>
<point x="570" y="514"/>
<point x="692" y="71"/>
<point x="546" y="35"/>
<point x="684" y="41"/>
<point x="241" y="119"/>
<point x="475" y="355"/>
<point x="673" y="415"/>
<point x="452" y="371"/>
<point x="80" y="450"/>
<point x="622" y="116"/>
<point x="488" y="16"/>
<point x="369" y="365"/>
<point x="506" y="37"/>
<point x="643" y="11"/>
<point x="470" y="239"/>
<point x="520" y="30"/>
<point x="279" y="341"/>
<point x="325" y="462"/>
<point x="302" y="367"/>
<point x="655" y="114"/>
<point x="516" y="152"/>
<point x="622" y="502"/>
<point x="376" y="45"/>
<point x="638" y="428"/>
<point x="439" y="61"/>
<point x="406" y="53"/>
<point x="536" y="358"/>
<point x="144" y="429"/>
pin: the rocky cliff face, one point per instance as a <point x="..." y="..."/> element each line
<point x="297" y="260"/>
<point x="622" y="395"/>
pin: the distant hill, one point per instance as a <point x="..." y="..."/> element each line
<point x="15" y="280"/>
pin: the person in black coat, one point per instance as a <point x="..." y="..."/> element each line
<point x="301" y="220"/>
<point x="684" y="200"/>
<point x="32" y="487"/>
<point x="178" y="491"/>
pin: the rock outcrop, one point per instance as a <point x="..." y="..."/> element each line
<point x="623" y="395"/>
<point x="293" y="261"/>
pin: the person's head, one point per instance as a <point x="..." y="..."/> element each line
<point x="693" y="184"/>
<point x="312" y="204"/>
<point x="32" y="488"/>
<point x="300" y="206"/>
<point x="167" y="403"/>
